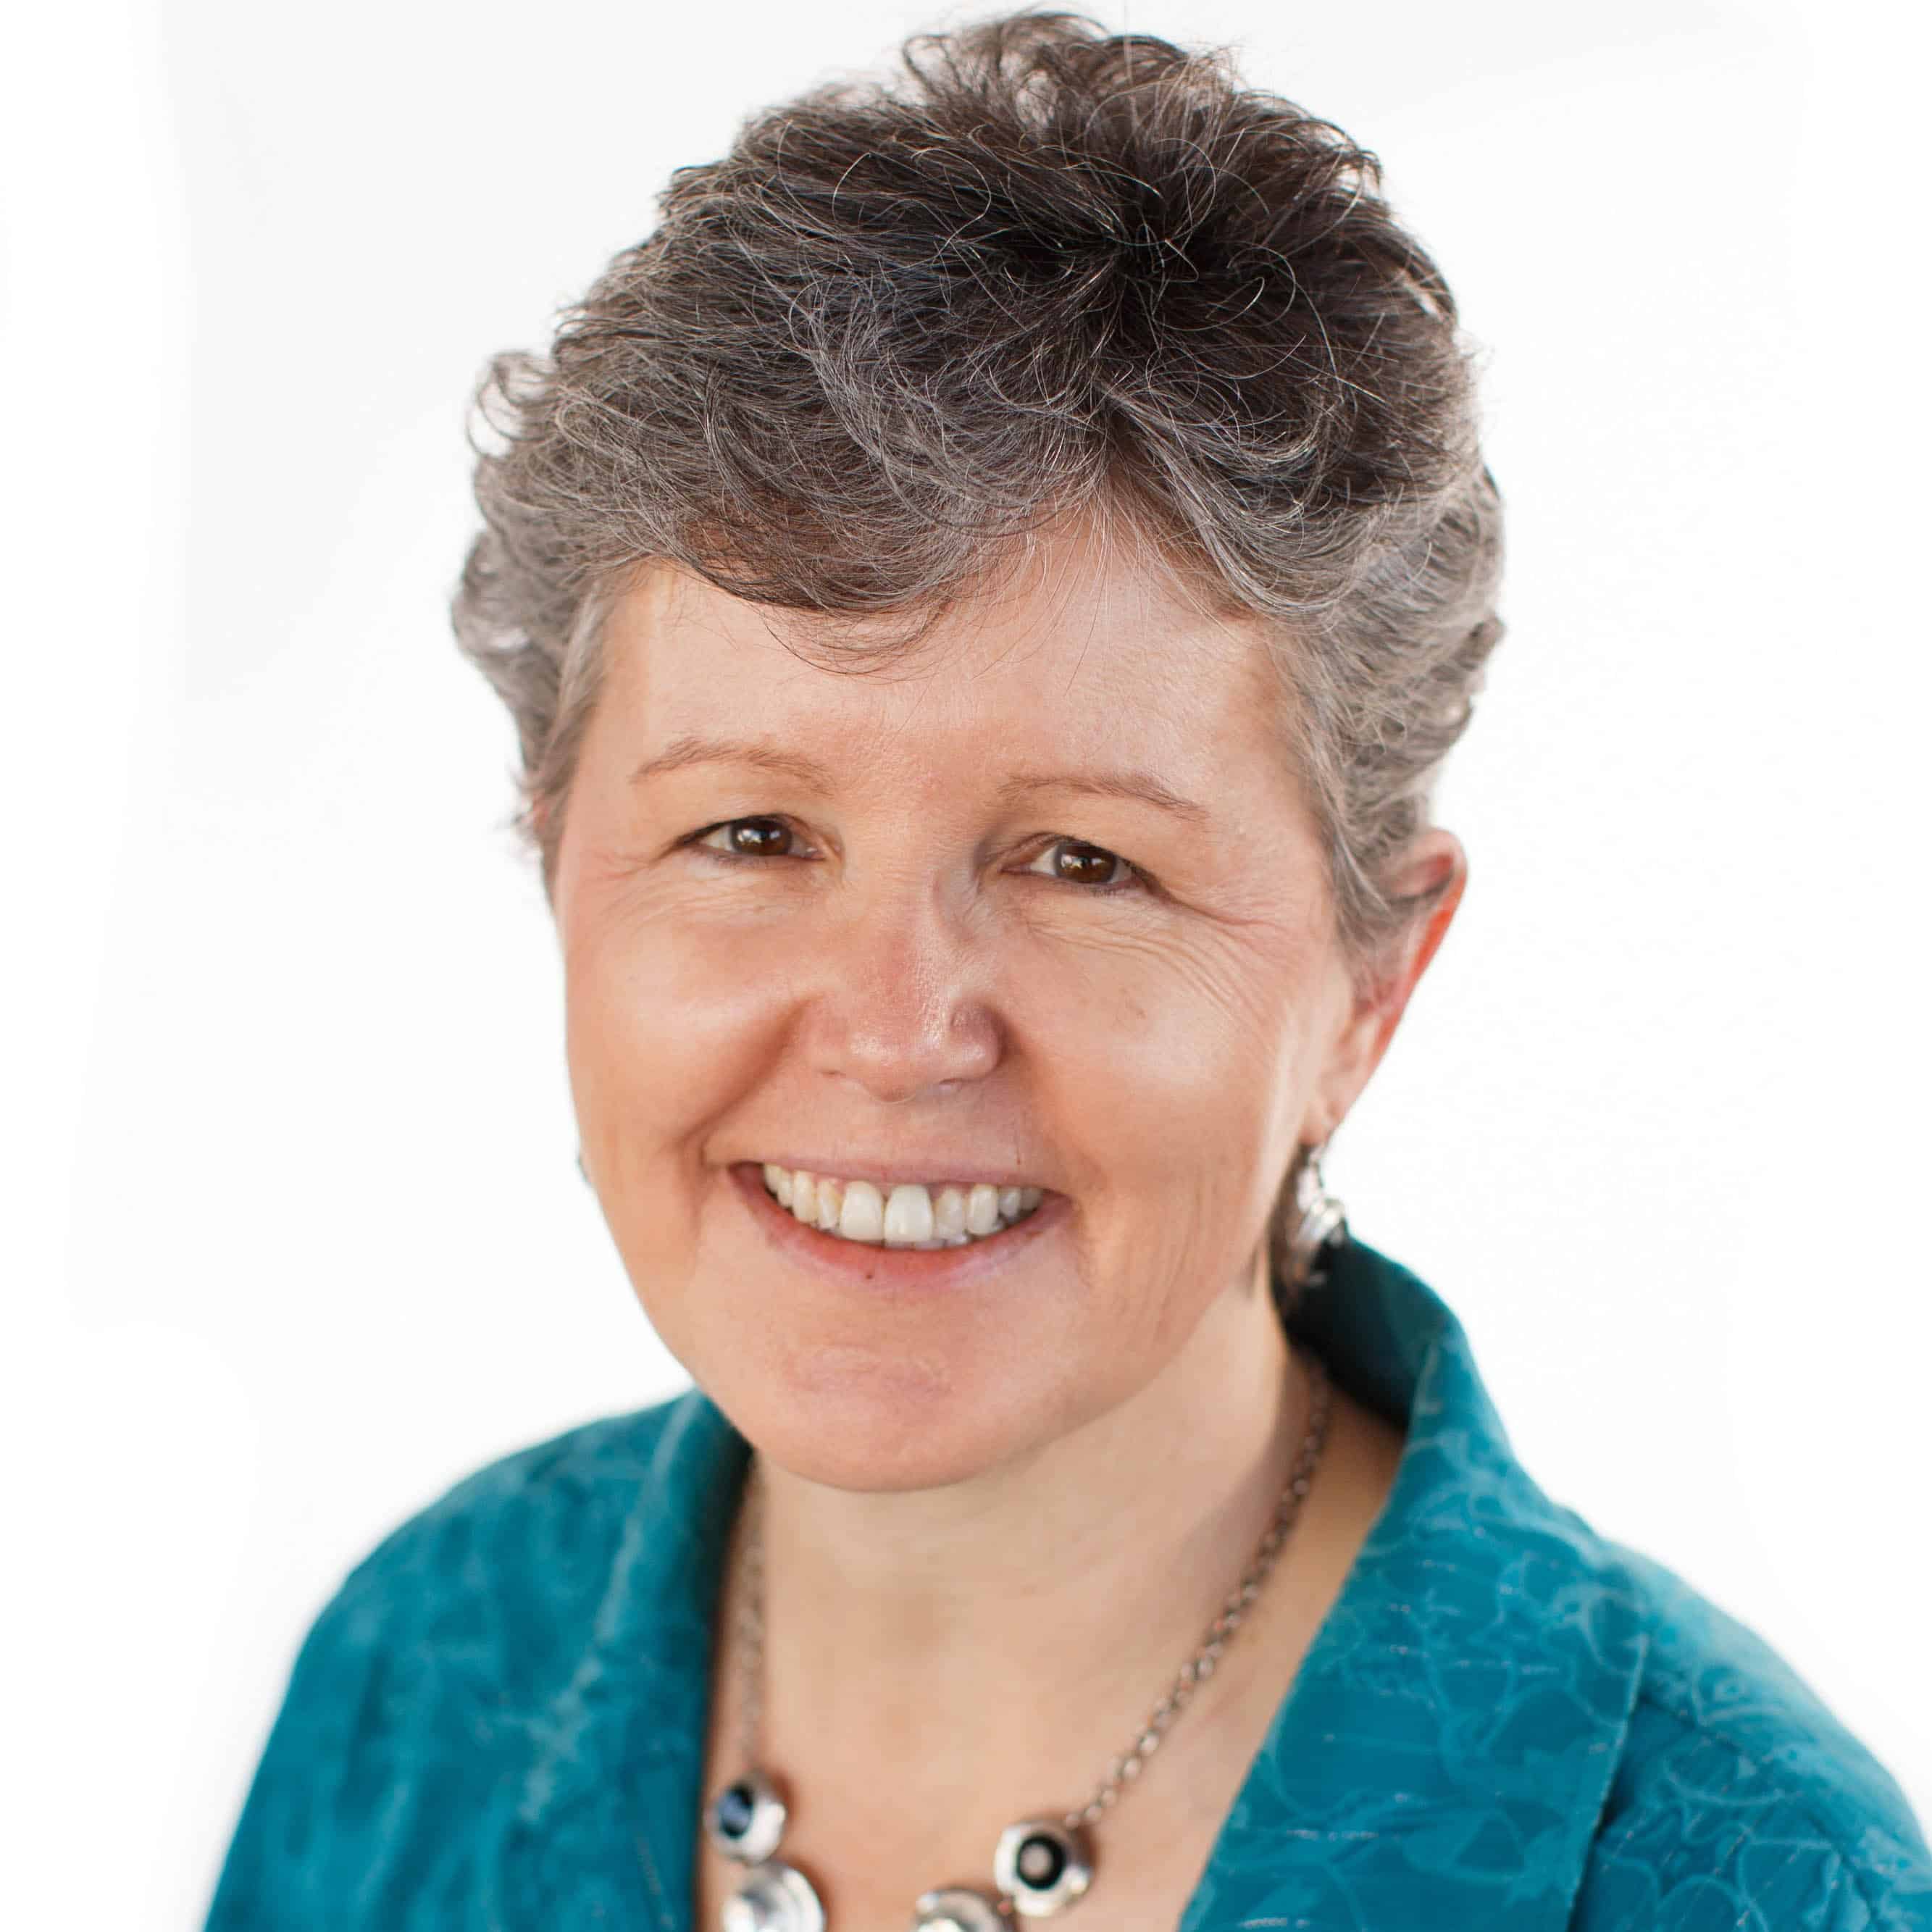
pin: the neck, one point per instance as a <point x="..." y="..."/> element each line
<point x="1031" y="1617"/>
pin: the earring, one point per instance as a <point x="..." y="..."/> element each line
<point x="1321" y="1225"/>
<point x="581" y="1169"/>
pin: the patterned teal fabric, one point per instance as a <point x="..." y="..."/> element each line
<point x="1507" y="1721"/>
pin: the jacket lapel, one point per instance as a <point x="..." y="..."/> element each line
<point x="604" y="1831"/>
<point x="1448" y="1743"/>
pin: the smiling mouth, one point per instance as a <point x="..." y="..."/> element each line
<point x="904" y="1215"/>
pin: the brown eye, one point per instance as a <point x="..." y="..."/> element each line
<point x="746" y="839"/>
<point x="1076" y="863"/>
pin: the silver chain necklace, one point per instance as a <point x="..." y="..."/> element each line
<point x="1041" y="1865"/>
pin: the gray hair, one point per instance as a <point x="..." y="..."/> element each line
<point x="902" y="324"/>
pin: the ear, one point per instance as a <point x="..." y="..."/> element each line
<point x="1379" y="995"/>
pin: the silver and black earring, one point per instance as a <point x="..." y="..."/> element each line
<point x="1321" y="1224"/>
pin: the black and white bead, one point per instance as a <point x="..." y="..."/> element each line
<point x="747" y="1819"/>
<point x="1040" y="1867"/>
<point x="1043" y="1866"/>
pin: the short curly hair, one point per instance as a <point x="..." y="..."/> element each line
<point x="1042" y="268"/>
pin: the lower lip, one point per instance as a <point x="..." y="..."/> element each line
<point x="871" y="1264"/>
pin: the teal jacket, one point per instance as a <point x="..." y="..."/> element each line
<point x="1506" y="1721"/>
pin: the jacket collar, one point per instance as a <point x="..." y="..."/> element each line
<point x="1442" y="1757"/>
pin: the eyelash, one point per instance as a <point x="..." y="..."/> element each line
<point x="1136" y="880"/>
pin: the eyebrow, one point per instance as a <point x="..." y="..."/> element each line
<point x="692" y="749"/>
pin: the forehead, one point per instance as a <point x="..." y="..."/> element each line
<point x="1075" y="658"/>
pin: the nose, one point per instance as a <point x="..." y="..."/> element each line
<point x="903" y="1008"/>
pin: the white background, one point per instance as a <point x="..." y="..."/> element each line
<point x="293" y="1237"/>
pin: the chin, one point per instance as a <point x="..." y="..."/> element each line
<point x="849" y="1418"/>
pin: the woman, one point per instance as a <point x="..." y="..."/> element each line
<point x="986" y="590"/>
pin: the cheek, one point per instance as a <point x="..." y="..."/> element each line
<point x="665" y="1018"/>
<point x="1191" y="1059"/>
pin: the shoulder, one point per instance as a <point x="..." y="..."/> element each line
<point x="566" y="1499"/>
<point x="498" y="1579"/>
<point x="423" y="1672"/>
<point x="1739" y="1798"/>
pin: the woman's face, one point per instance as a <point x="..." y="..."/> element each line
<point x="952" y="952"/>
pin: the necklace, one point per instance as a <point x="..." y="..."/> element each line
<point x="1041" y="1865"/>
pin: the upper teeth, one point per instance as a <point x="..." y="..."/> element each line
<point x="908" y="1215"/>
